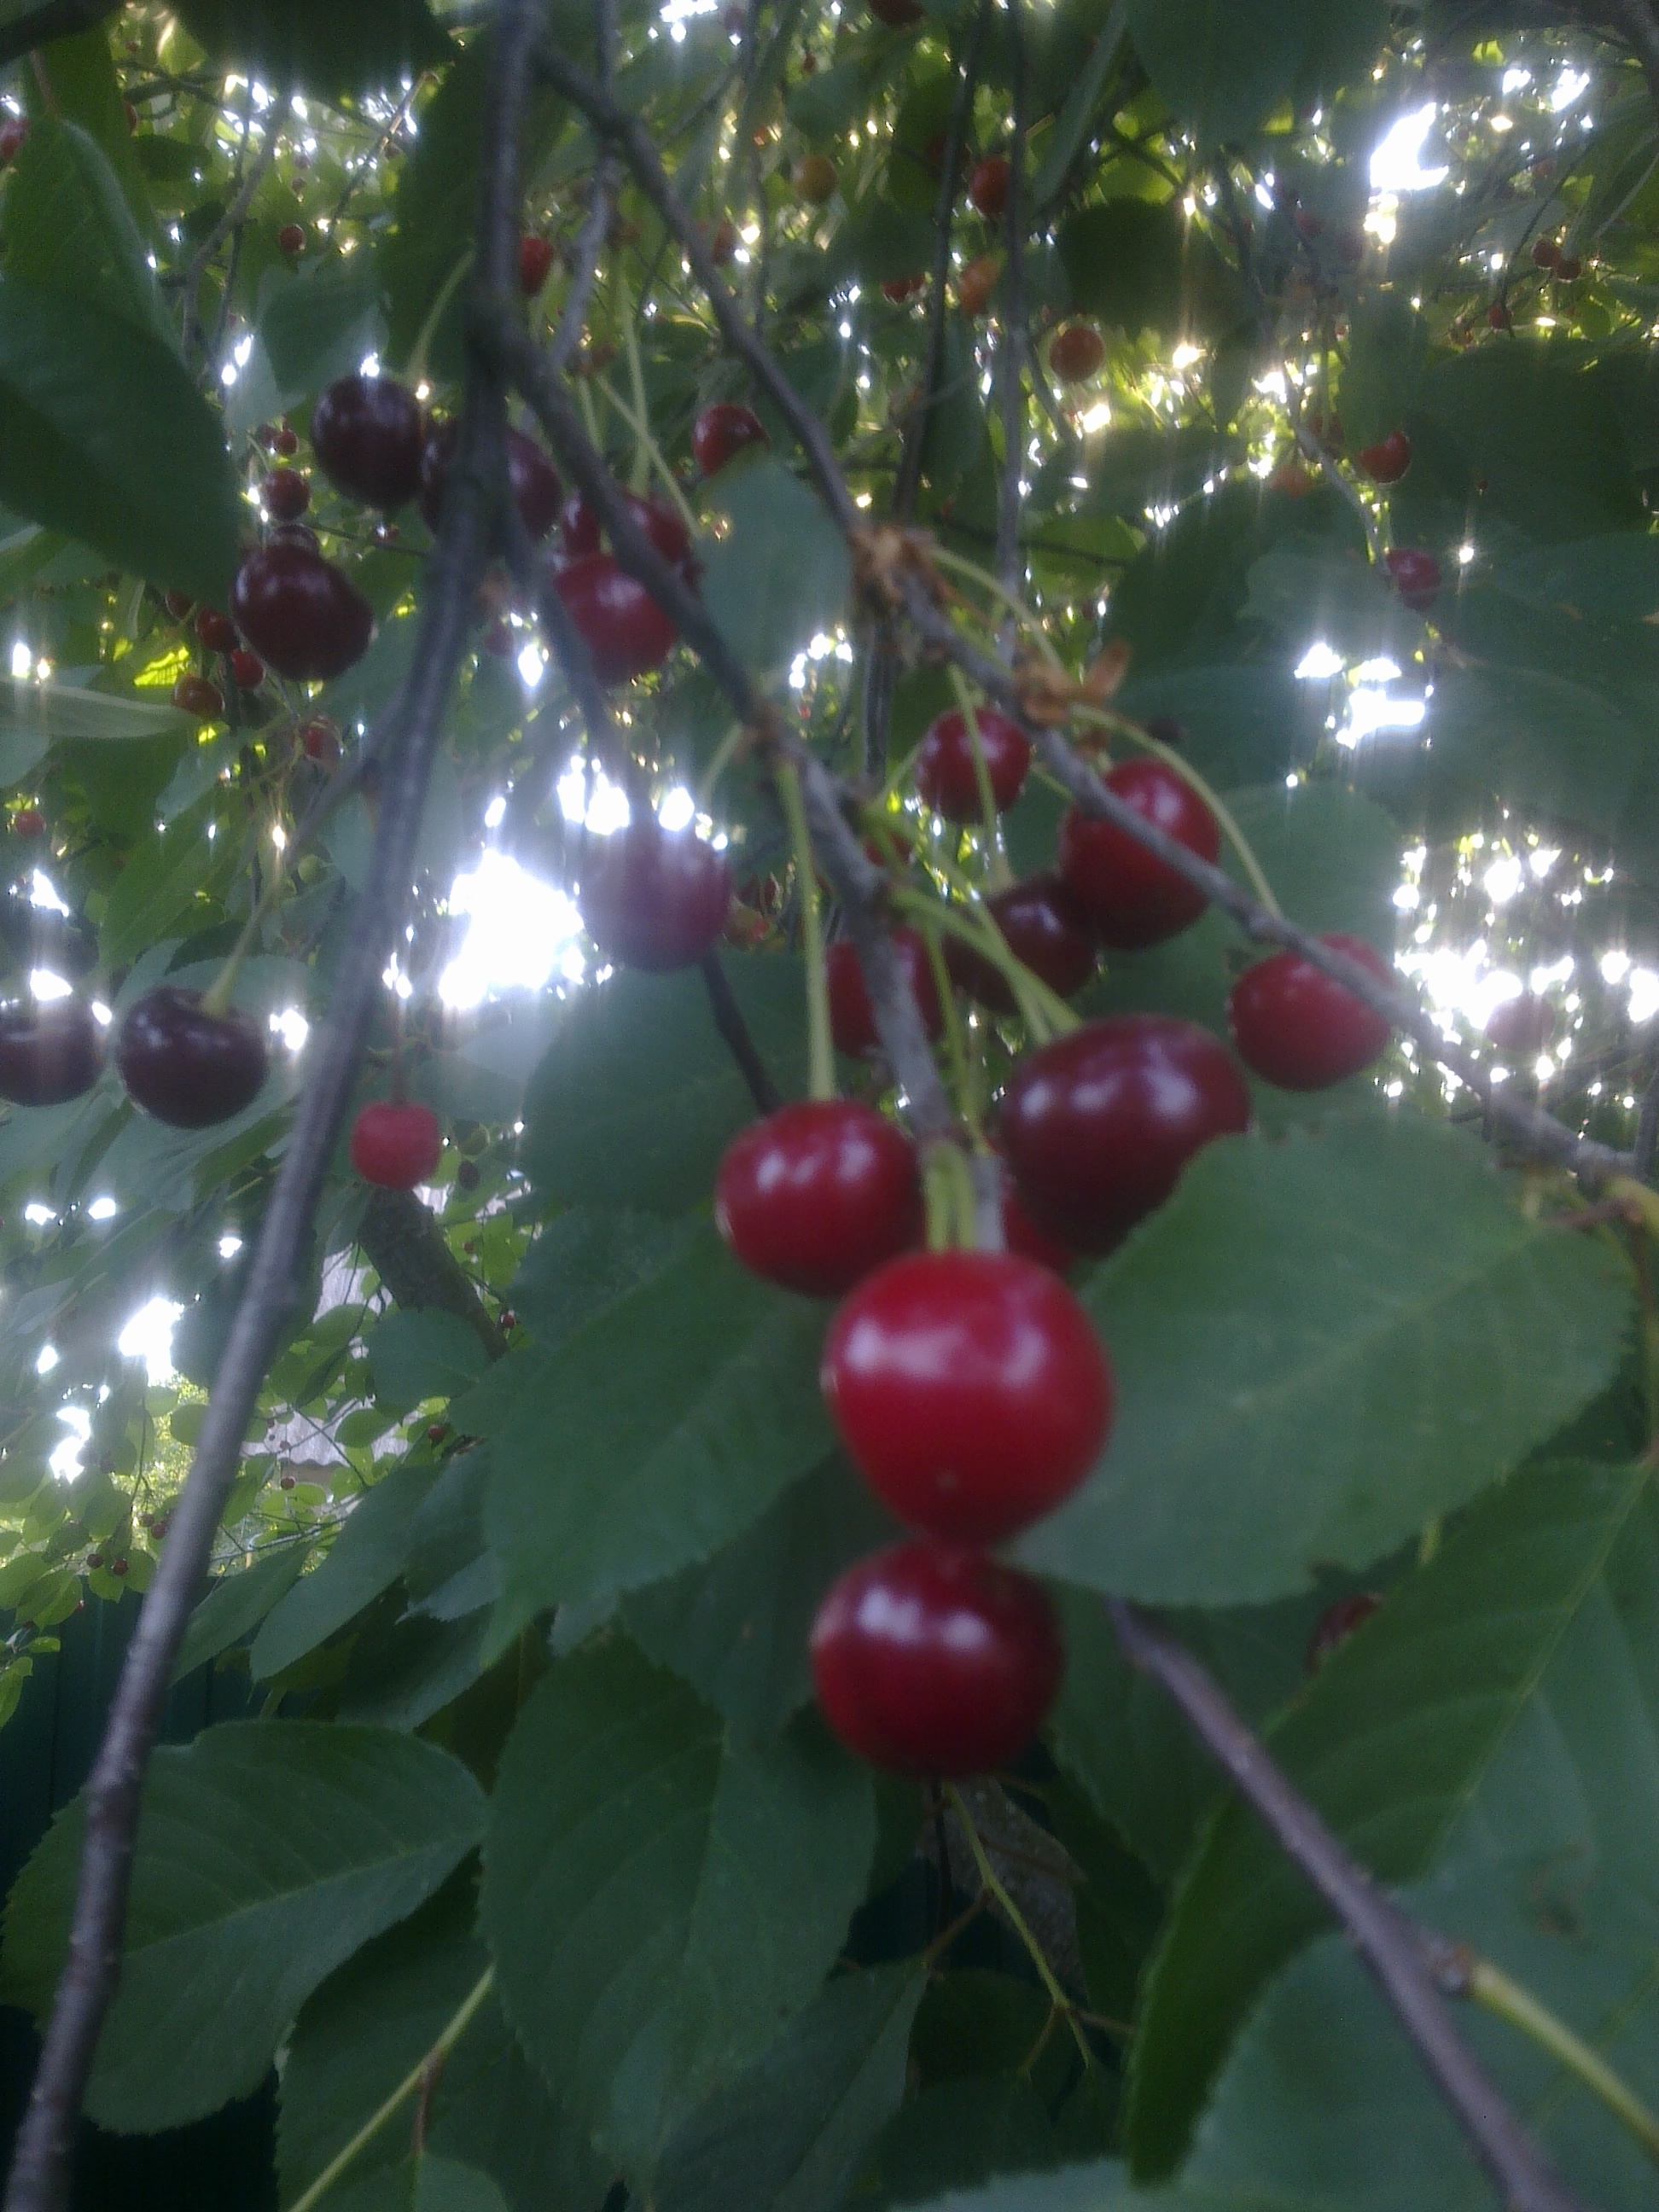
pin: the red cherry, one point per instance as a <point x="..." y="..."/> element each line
<point x="1416" y="575"/>
<point x="581" y="530"/>
<point x="395" y="1145"/>
<point x="987" y="185"/>
<point x="292" y="238"/>
<point x="976" y="283"/>
<point x="816" y="1194"/>
<point x="509" y="1320"/>
<point x="1522" y="1027"/>
<point x="247" y="669"/>
<point x="722" y="430"/>
<point x="944" y="762"/>
<point x="537" y="490"/>
<point x="1096" y="1126"/>
<point x="898" y="290"/>
<point x="1338" y="1623"/>
<point x="1546" y="253"/>
<point x="178" y="605"/>
<point x="1134" y="898"/>
<point x="287" y="1482"/>
<point x="852" y="1020"/>
<point x="1298" y="1027"/>
<point x="158" y="1527"/>
<point x="969" y="1388"/>
<point x="366" y="431"/>
<point x="49" y="1052"/>
<point x="217" y="631"/>
<point x="723" y="244"/>
<point x="535" y="261"/>
<point x="320" y="739"/>
<point x="29" y="822"/>
<point x="295" y="533"/>
<point x="436" y="1432"/>
<point x="814" y="179"/>
<point x="285" y="442"/>
<point x="305" y="617"/>
<point x="1292" y="478"/>
<point x="285" y="494"/>
<point x="117" y="1566"/>
<point x="1045" y="926"/>
<point x="1021" y="1234"/>
<point x="897" y="15"/>
<point x="1569" y="269"/>
<point x="14" y="132"/>
<point x="1077" y="353"/>
<point x="931" y="1660"/>
<point x="195" y="695"/>
<point x="655" y="898"/>
<point x="1498" y="315"/>
<point x="185" y="1066"/>
<point x="94" y="1560"/>
<point x="1386" y="462"/>
<point x="615" y="617"/>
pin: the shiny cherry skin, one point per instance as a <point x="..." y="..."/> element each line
<point x="1416" y="575"/>
<point x="987" y="185"/>
<point x="582" y="532"/>
<point x="655" y="898"/>
<point x="1522" y="1027"/>
<point x="897" y="15"/>
<point x="932" y="1660"/>
<point x="946" y="776"/>
<point x="217" y="631"/>
<point x="1077" y="353"/>
<point x="367" y="433"/>
<point x="1338" y="1623"/>
<point x="535" y="263"/>
<point x="305" y="617"/>
<point x="819" y="1194"/>
<point x="970" y="1390"/>
<point x="1134" y="898"/>
<point x="1387" y="461"/>
<point x="396" y="1145"/>
<point x="196" y="694"/>
<point x="1296" y="1027"/>
<point x="1045" y="926"/>
<point x="1096" y="1126"/>
<point x="185" y="1066"/>
<point x="49" y="1052"/>
<point x="852" y="1018"/>
<point x="247" y="670"/>
<point x="721" y="431"/>
<point x="617" y="620"/>
<point x="537" y="490"/>
<point x="1021" y="1234"/>
<point x="285" y="494"/>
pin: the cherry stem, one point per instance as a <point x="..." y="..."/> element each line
<point x="649" y="450"/>
<point x="724" y="754"/>
<point x="997" y="870"/>
<point x="1490" y="1988"/>
<point x="1025" y="614"/>
<point x="215" y="1000"/>
<point x="948" y="1189"/>
<point x="1044" y="1012"/>
<point x="1016" y="1919"/>
<point x="955" y="1050"/>
<point x="644" y="448"/>
<point x="820" y="1056"/>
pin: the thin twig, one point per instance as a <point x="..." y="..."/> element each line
<point x="734" y="1032"/>
<point x="1010" y="348"/>
<point x="602" y="201"/>
<point x="234" y="216"/>
<point x="1647" y="1131"/>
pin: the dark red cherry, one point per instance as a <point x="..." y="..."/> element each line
<point x="932" y="1660"/>
<point x="987" y="185"/>
<point x="818" y="1195"/>
<point x="321" y="740"/>
<point x="50" y="1051"/>
<point x="285" y="494"/>
<point x="1387" y="461"/>
<point x="580" y="532"/>
<point x="1077" y="353"/>
<point x="396" y="1145"/>
<point x="898" y="290"/>
<point x="1096" y="1126"/>
<point x="723" y="430"/>
<point x="29" y="822"/>
<point x="188" y="1066"/>
<point x="945" y="776"/>
<point x="247" y="669"/>
<point x="178" y="605"/>
<point x="851" y="1020"/>
<point x="617" y="620"/>
<point x="1298" y="1027"/>
<point x="292" y="238"/>
<point x="196" y="694"/>
<point x="1021" y="1234"/>
<point x="580" y="529"/>
<point x="537" y="490"/>
<point x="969" y="1388"/>
<point x="1338" y="1623"/>
<point x="1134" y="898"/>
<point x="217" y="631"/>
<point x="366" y="431"/>
<point x="1045" y="926"/>
<point x="1416" y="575"/>
<point x="535" y="261"/>
<point x="1521" y="1027"/>
<point x="305" y="617"/>
<point x="285" y="442"/>
<point x="653" y="898"/>
<point x="295" y="533"/>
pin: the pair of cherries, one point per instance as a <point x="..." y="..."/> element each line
<point x="182" y="1062"/>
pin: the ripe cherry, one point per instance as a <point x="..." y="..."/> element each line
<point x="395" y="1145"/>
<point x="1077" y="353"/>
<point x="1569" y="269"/>
<point x="195" y="695"/>
<point x="1134" y="898"/>
<point x="1546" y="253"/>
<point x="366" y="431"/>
<point x="946" y="774"/>
<point x="897" y="15"/>
<point x="285" y="442"/>
<point x="302" y="615"/>
<point x="969" y="1388"/>
<point x="50" y="1052"/>
<point x="287" y="1482"/>
<point x="653" y="898"/>
<point x="29" y="822"/>
<point x="932" y="1660"/>
<point x="247" y="669"/>
<point x="1300" y="1028"/>
<point x="721" y="431"/>
<point x="537" y="490"/>
<point x="217" y="631"/>
<point x="1021" y="1234"/>
<point x="94" y="1560"/>
<point x="898" y="290"/>
<point x="285" y="493"/>
<point x="987" y="185"/>
<point x="723" y="242"/>
<point x="436" y="1432"/>
<point x="976" y="283"/>
<point x="295" y="533"/>
<point x="1522" y="1026"/>
<point x="178" y="605"/>
<point x="582" y="532"/>
<point x="1416" y="575"/>
<point x="508" y="1319"/>
<point x="818" y="1195"/>
<point x="1045" y="926"/>
<point x="1387" y="461"/>
<point x="468" y="1175"/>
<point x="321" y="740"/>
<point x="815" y="180"/>
<point x="851" y="1020"/>
<point x="1293" y="478"/>
<point x="1338" y="1623"/>
<point x="535" y="261"/>
<point x="1498" y="316"/>
<point x="292" y="238"/>
<point x="188" y="1066"/>
<point x="117" y="1566"/>
<point x="617" y="620"/>
<point x="15" y="130"/>
<point x="1096" y="1126"/>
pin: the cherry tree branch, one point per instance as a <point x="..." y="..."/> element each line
<point x="234" y="216"/>
<point x="57" y="19"/>
<point x="1011" y="350"/>
<point x="40" y="2174"/>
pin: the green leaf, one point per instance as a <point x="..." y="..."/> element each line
<point x="157" y="887"/>
<point x="68" y="228"/>
<point x="239" y="1601"/>
<point x="445" y="2186"/>
<point x="366" y="1557"/>
<point x="373" y="46"/>
<point x="1223" y="66"/>
<point x="103" y="435"/>
<point x="638" y="1096"/>
<point x="1071" y="125"/>
<point x="78" y="83"/>
<point x="660" y="1908"/>
<point x="782" y="571"/>
<point x="401" y="1673"/>
<point x="1409" y="1336"/>
<point x="319" y="324"/>
<point x="1387" y="346"/>
<point x="584" y="1260"/>
<point x="34" y="717"/>
<point x="426" y="1354"/>
<point x="266" y="1854"/>
<point x="1136" y="265"/>
<point x="1332" y="594"/>
<point x="1242" y="724"/>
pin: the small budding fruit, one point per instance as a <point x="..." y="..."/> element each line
<point x="395" y="1145"/>
<point x="1077" y="353"/>
<point x="987" y="185"/>
<point x="285" y="494"/>
<point x="931" y="1660"/>
<point x="852" y="1017"/>
<point x="722" y="430"/>
<point x="217" y="631"/>
<point x="50" y="1052"/>
<point x="1522" y="1026"/>
<point x="1097" y="1126"/>
<point x="247" y="669"/>
<point x="367" y="433"/>
<point x="1134" y="898"/>
<point x="1338" y="1623"/>
<point x="196" y="694"/>
<point x="617" y="620"/>
<point x="1387" y="461"/>
<point x="655" y="898"/>
<point x="537" y="490"/>
<point x="1047" y="929"/>
<point x="292" y="238"/>
<point x="1416" y="575"/>
<point x="535" y="263"/>
<point x="185" y="1066"/>
<point x="946" y="777"/>
<point x="969" y="1389"/>
<point x="977" y="281"/>
<point x="14" y="134"/>
<point x="1298" y="1027"/>
<point x="305" y="617"/>
<point x="814" y="179"/>
<point x="819" y="1194"/>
